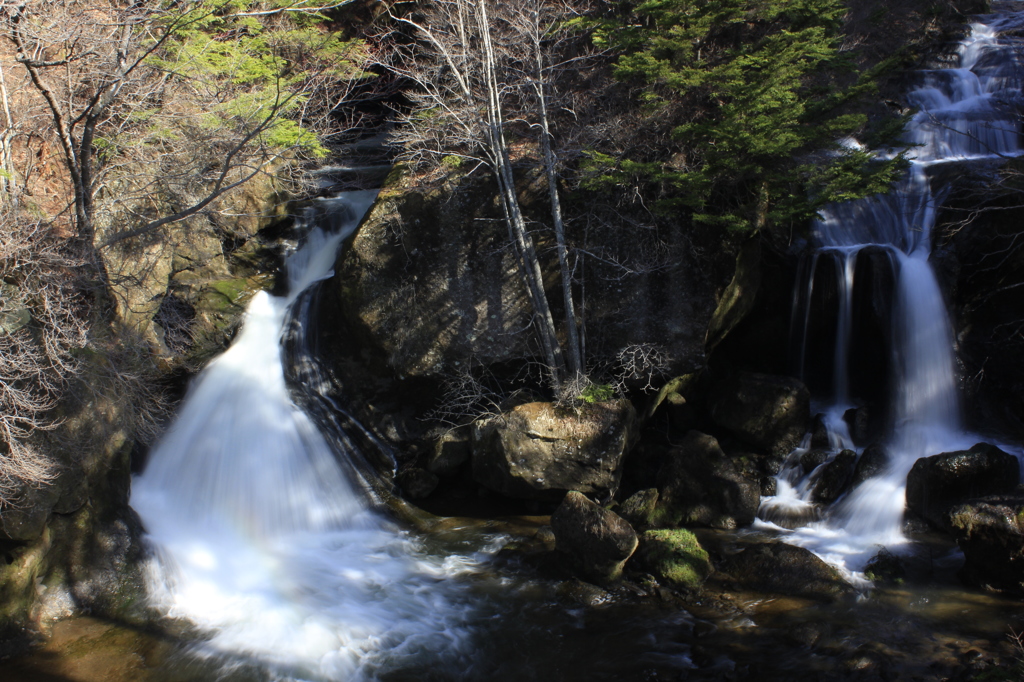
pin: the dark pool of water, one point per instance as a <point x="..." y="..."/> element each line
<point x="529" y="627"/>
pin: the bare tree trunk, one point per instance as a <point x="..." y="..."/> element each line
<point x="572" y="330"/>
<point x="517" y="224"/>
<point x="8" y="183"/>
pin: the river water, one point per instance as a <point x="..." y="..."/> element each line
<point x="966" y="114"/>
<point x="273" y="561"/>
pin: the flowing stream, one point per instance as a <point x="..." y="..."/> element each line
<point x="262" y="539"/>
<point x="967" y="114"/>
<point x="270" y="551"/>
<point x="265" y="531"/>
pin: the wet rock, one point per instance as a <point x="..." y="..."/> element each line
<point x="785" y="569"/>
<point x="596" y="542"/>
<point x="538" y="451"/>
<point x="110" y="577"/>
<point x="675" y="557"/>
<point x="546" y="536"/>
<point x="700" y="485"/>
<point x="416" y="483"/>
<point x="864" y="424"/>
<point x="584" y="593"/>
<point x="819" y="434"/>
<point x="427" y="283"/>
<point x="835" y="477"/>
<point x="787" y="515"/>
<point x="812" y="459"/>
<point x="805" y="635"/>
<point x="453" y="449"/>
<point x="936" y="483"/>
<point x="990" y="531"/>
<point x="767" y="411"/>
<point x="885" y="567"/>
<point x="873" y="461"/>
<point x="639" y="508"/>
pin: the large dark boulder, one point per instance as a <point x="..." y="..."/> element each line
<point x="936" y="483"/>
<point x="596" y="542"/>
<point x="767" y="411"/>
<point x="785" y="569"/>
<point x="990" y="531"/>
<point x="700" y="485"/>
<point x="538" y="451"/>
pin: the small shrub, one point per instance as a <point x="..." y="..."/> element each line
<point x="597" y="393"/>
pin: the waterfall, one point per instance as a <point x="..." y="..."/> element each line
<point x="260" y="537"/>
<point x="965" y="114"/>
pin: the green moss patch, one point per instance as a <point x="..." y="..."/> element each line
<point x="674" y="556"/>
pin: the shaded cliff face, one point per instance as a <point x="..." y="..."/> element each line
<point x="430" y="283"/>
<point x="981" y="261"/>
<point x="177" y="297"/>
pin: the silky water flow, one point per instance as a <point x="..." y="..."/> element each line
<point x="260" y="538"/>
<point x="965" y="114"/>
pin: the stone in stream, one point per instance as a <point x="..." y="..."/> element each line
<point x="935" y="484"/>
<point x="538" y="451"/>
<point x="990" y="532"/>
<point x="885" y="567"/>
<point x="767" y="411"/>
<point x="699" y="485"/>
<point x="819" y="434"/>
<point x="595" y="542"/>
<point x="873" y="461"/>
<point x="863" y="424"/>
<point x="812" y="459"/>
<point x="785" y="569"/>
<point x="638" y="508"/>
<point x="674" y="556"/>
<point x="835" y="477"/>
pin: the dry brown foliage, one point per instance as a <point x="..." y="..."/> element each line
<point x="42" y="324"/>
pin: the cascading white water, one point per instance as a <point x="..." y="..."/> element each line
<point x="261" y="540"/>
<point x="964" y="115"/>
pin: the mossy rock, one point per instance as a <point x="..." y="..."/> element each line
<point x="218" y="311"/>
<point x="675" y="557"/>
<point x="230" y="295"/>
<point x="639" y="508"/>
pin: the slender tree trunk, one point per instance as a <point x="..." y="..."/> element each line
<point x="7" y="181"/>
<point x="572" y="330"/>
<point x="529" y="261"/>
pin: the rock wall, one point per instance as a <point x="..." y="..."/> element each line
<point x="429" y="282"/>
<point x="981" y="262"/>
<point x="75" y="545"/>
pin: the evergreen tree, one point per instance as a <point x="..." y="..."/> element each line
<point x="750" y="88"/>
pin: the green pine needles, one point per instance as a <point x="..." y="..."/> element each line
<point x="757" y="95"/>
